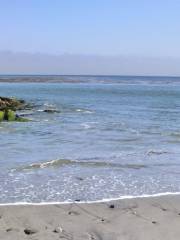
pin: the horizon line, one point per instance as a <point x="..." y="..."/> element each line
<point x="89" y="75"/>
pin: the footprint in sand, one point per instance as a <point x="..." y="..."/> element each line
<point x="94" y="236"/>
<point x="12" y="230"/>
<point x="73" y="213"/>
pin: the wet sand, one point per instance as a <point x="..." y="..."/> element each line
<point x="153" y="218"/>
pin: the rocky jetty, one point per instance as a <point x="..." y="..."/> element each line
<point x="11" y="103"/>
<point x="8" y="107"/>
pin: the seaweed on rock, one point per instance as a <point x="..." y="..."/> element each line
<point x="8" y="106"/>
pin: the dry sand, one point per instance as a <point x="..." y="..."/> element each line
<point x="153" y="218"/>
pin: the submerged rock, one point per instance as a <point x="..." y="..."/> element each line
<point x="51" y="111"/>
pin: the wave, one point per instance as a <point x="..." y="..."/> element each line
<point x="83" y="110"/>
<point x="89" y="163"/>
<point x="86" y="126"/>
<point x="64" y="162"/>
<point x="156" y="152"/>
<point x="175" y="134"/>
<point x="64" y="110"/>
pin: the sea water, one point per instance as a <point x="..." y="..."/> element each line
<point x="110" y="137"/>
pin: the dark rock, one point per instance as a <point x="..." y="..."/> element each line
<point x="11" y="103"/>
<point x="79" y="178"/>
<point x="30" y="231"/>
<point x="154" y="222"/>
<point x="9" y="230"/>
<point x="111" y="206"/>
<point x="73" y="213"/>
<point x="56" y="230"/>
<point x="51" y="111"/>
<point x="12" y="230"/>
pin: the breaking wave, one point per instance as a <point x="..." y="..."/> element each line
<point x="64" y="162"/>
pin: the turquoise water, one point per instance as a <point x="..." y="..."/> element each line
<point x="106" y="141"/>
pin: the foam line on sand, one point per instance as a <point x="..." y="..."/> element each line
<point x="90" y="202"/>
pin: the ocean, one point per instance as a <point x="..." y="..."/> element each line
<point x="112" y="136"/>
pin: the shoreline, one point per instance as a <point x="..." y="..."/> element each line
<point x="92" y="202"/>
<point x="142" y="218"/>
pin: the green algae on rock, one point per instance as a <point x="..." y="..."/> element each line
<point x="10" y="115"/>
<point x="8" y="106"/>
<point x="1" y="115"/>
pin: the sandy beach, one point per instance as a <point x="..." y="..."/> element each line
<point x="131" y="219"/>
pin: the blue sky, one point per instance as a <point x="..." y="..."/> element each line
<point x="137" y="31"/>
<point x="105" y="27"/>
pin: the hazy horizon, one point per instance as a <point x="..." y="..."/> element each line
<point x="24" y="63"/>
<point x="90" y="38"/>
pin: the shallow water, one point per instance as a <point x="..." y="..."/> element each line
<point x="106" y="141"/>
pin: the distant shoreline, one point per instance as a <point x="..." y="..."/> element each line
<point x="87" y="79"/>
<point x="87" y="75"/>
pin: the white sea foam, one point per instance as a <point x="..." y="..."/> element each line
<point x="49" y="105"/>
<point x="91" y="202"/>
<point x="83" y="110"/>
<point x="85" y="125"/>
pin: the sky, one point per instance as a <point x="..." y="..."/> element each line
<point x="58" y="33"/>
